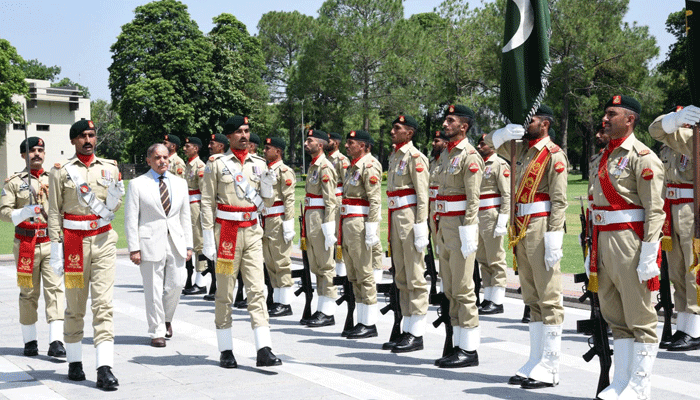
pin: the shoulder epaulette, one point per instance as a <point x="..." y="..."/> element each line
<point x="554" y="148"/>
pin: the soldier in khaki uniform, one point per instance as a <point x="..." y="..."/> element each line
<point x="26" y="208"/>
<point x="377" y="250"/>
<point x="360" y="216"/>
<point x="84" y="193"/>
<point x="253" y="143"/>
<point x="439" y="144"/>
<point x="340" y="163"/>
<point x="494" y="209"/>
<point x="407" y="193"/>
<point x="539" y="232"/>
<point x="457" y="204"/>
<point x="194" y="173"/>
<point x="230" y="207"/>
<point x="320" y="209"/>
<point x="177" y="164"/>
<point x="279" y="228"/>
<point x="673" y="130"/>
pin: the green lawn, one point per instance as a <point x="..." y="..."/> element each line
<point x="572" y="261"/>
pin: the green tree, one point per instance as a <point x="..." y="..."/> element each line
<point x="66" y="82"/>
<point x="674" y="82"/>
<point x="33" y="69"/>
<point x="11" y="83"/>
<point x="112" y="140"/>
<point x="161" y="74"/>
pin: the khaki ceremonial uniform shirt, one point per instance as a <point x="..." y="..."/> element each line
<point x="275" y="250"/>
<point x="177" y="165"/>
<point x="433" y="186"/>
<point x="194" y="173"/>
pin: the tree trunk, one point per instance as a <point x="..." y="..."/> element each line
<point x="290" y="120"/>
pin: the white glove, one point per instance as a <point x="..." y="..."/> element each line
<point x="501" y="225"/>
<point x="587" y="265"/>
<point x="553" y="251"/>
<point x="510" y="132"/>
<point x="288" y="230"/>
<point x="267" y="180"/>
<point x="26" y="212"/>
<point x="115" y="191"/>
<point x="371" y="237"/>
<point x="209" y="244"/>
<point x="647" y="267"/>
<point x="420" y="236"/>
<point x="56" y="259"/>
<point x="329" y="234"/>
<point x="687" y="116"/>
<point x="469" y="236"/>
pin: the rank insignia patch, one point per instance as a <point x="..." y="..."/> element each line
<point x="473" y="167"/>
<point x="647" y="174"/>
<point x="559" y="167"/>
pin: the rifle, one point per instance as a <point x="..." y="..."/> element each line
<point x="664" y="299"/>
<point x="600" y="346"/>
<point x="438" y="299"/>
<point x="305" y="273"/>
<point x="270" y="290"/>
<point x="585" y="245"/>
<point x="349" y="298"/>
<point x="477" y="283"/>
<point x="392" y="292"/>
<point x="240" y="301"/>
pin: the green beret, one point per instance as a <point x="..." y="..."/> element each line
<point x="318" y="134"/>
<point x="460" y="110"/>
<point x="362" y="136"/>
<point x="33" y="142"/>
<point x="406" y="120"/>
<point x="276" y="142"/>
<point x="172" y="139"/>
<point x="233" y="123"/>
<point x="81" y="126"/>
<point x="194" y="140"/>
<point x="439" y="135"/>
<point x="623" y="101"/>
<point x="545" y="110"/>
<point x="335" y="136"/>
<point x="220" y="139"/>
<point x="254" y="138"/>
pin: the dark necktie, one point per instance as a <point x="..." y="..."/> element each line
<point x="164" y="195"/>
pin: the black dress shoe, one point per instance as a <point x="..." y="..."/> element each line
<point x="684" y="343"/>
<point x="663" y="344"/>
<point x="31" y="349"/>
<point x="240" y="304"/>
<point x="168" y="330"/>
<point x="210" y="297"/>
<point x="106" y="379"/>
<point x="266" y="358"/>
<point x="227" y="360"/>
<point x="391" y="344"/>
<point x="305" y="321"/>
<point x="533" y="384"/>
<point x="461" y="358"/>
<point x="194" y="290"/>
<point x="408" y="343"/>
<point x="516" y="380"/>
<point x="362" y="331"/>
<point x="445" y="357"/>
<point x="75" y="371"/>
<point x="56" y="349"/>
<point x="320" y="319"/>
<point x="488" y="307"/>
<point x="280" y="310"/>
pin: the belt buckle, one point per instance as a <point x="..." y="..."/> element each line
<point x="440" y="205"/>
<point x="672" y="194"/>
<point x="599" y="217"/>
<point x="392" y="202"/>
<point x="41" y="233"/>
<point x="246" y="216"/>
<point x="307" y="201"/>
<point x="343" y="210"/>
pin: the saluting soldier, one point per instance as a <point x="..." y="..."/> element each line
<point x="539" y="231"/>
<point x="674" y="130"/>
<point x="457" y="205"/>
<point x="320" y="209"/>
<point x="84" y="194"/>
<point x="360" y="216"/>
<point x="407" y="193"/>
<point x="177" y="164"/>
<point x="278" y="225"/>
<point x="439" y="144"/>
<point x="26" y="207"/>
<point x="230" y="208"/>
<point x="494" y="209"/>
<point x="341" y="163"/>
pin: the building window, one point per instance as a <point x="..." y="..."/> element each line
<point x="18" y="127"/>
<point x="42" y="128"/>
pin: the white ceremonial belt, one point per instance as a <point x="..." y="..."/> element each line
<point x="313" y="202"/>
<point x="523" y="209"/>
<point x="493" y="201"/>
<point x="195" y="197"/>
<point x="236" y="215"/>
<point x="273" y="210"/>
<point x="678" y="193"/>
<point x="602" y="217"/>
<point x="401" y="201"/>
<point x="446" y="206"/>
<point x="348" y="210"/>
<point x="84" y="225"/>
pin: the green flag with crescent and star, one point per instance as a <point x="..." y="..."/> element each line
<point x="525" y="66"/>
<point x="692" y="29"/>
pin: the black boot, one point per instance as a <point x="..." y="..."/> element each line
<point x="408" y="343"/>
<point x="461" y="358"/>
<point x="265" y="358"/>
<point x="227" y="360"/>
<point x="56" y="349"/>
<point x="526" y="315"/>
<point x="106" y="379"/>
<point x="75" y="371"/>
<point x="31" y="348"/>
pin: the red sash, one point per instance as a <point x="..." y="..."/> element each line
<point x="73" y="259"/>
<point x="227" y="237"/>
<point x="27" y="248"/>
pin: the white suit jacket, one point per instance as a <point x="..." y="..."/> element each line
<point x="146" y="224"/>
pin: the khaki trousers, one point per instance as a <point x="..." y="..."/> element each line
<point x="99" y="256"/>
<point x="680" y="258"/>
<point x="358" y="261"/>
<point x="248" y="259"/>
<point x="321" y="261"/>
<point x="277" y="253"/>
<point x="53" y="288"/>
<point x="491" y="255"/>
<point x="410" y="268"/>
<point x="197" y="241"/>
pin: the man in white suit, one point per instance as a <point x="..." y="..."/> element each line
<point x="157" y="205"/>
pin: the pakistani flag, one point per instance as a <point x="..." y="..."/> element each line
<point x="692" y="28"/>
<point x="525" y="67"/>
